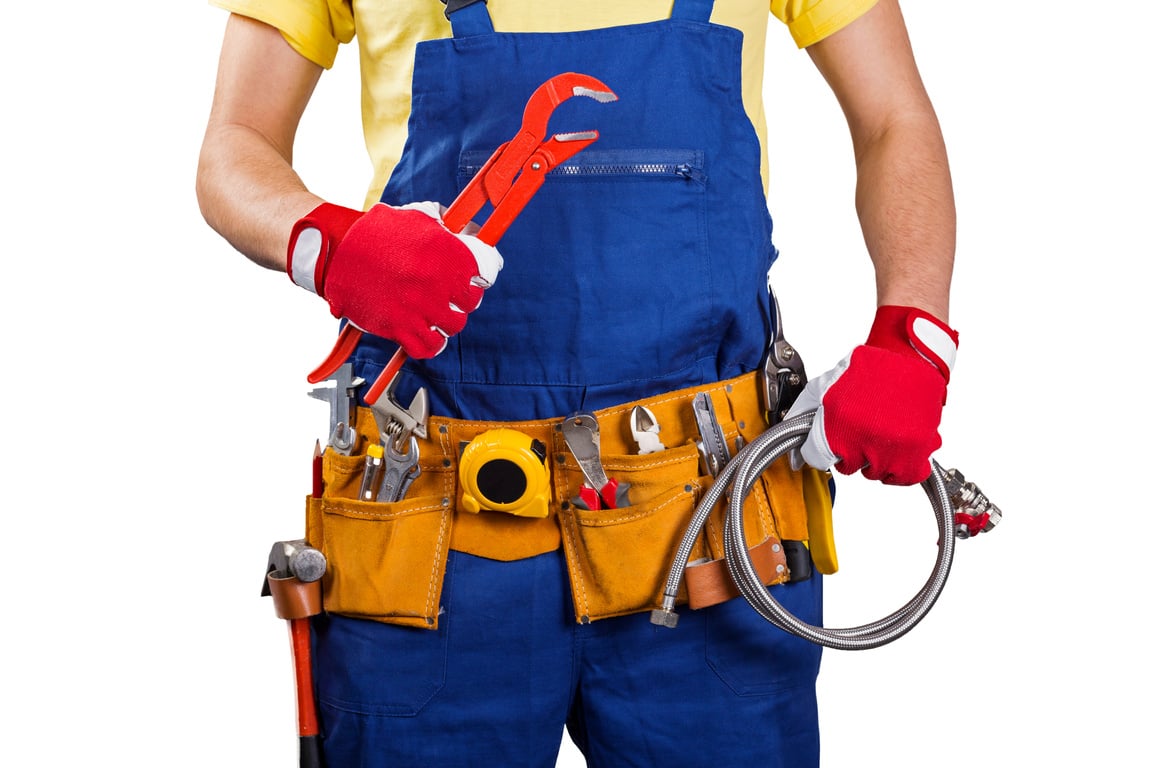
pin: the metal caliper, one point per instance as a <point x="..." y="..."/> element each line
<point x="341" y="397"/>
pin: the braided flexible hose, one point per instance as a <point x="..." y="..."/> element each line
<point x="737" y="479"/>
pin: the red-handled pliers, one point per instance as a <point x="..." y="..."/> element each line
<point x="508" y="180"/>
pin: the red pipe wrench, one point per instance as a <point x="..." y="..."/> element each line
<point x="508" y="180"/>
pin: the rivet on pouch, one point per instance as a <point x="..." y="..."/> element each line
<point x="443" y="429"/>
<point x="775" y="547"/>
<point x="779" y="569"/>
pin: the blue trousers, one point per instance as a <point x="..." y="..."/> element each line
<point x="510" y="667"/>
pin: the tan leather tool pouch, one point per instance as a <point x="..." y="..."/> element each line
<point x="619" y="559"/>
<point x="385" y="560"/>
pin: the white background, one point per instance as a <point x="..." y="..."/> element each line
<point x="159" y="435"/>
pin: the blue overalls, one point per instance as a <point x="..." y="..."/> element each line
<point x="639" y="268"/>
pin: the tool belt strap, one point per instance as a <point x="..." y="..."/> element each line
<point x="386" y="561"/>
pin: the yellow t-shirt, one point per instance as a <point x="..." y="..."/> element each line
<point x="388" y="31"/>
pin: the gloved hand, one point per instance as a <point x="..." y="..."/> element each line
<point x="393" y="272"/>
<point x="879" y="409"/>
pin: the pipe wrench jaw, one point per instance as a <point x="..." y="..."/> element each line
<point x="554" y="92"/>
<point x="516" y="170"/>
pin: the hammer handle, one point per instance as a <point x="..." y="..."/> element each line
<point x="309" y="727"/>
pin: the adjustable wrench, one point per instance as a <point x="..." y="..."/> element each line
<point x="508" y="180"/>
<point x="400" y="469"/>
<point x="398" y="426"/>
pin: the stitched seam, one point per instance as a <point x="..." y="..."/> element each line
<point x="444" y="519"/>
<point x="382" y="515"/>
<point x="671" y="399"/>
<point x="568" y="528"/>
<point x="652" y="464"/>
<point x="569" y="533"/>
<point x="432" y="581"/>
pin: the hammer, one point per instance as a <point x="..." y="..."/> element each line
<point x="292" y="579"/>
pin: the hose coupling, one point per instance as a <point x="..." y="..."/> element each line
<point x="973" y="511"/>
<point x="665" y="615"/>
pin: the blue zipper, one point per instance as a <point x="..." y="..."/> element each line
<point x="673" y="164"/>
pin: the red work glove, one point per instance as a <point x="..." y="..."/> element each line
<point x="393" y="272"/>
<point x="879" y="409"/>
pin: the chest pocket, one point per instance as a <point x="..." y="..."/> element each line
<point x="618" y="237"/>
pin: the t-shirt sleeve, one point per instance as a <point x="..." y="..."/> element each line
<point x="810" y="21"/>
<point x="314" y="28"/>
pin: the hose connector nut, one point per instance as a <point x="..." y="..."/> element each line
<point x="973" y="511"/>
<point x="664" y="618"/>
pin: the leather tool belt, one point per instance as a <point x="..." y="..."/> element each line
<point x="386" y="560"/>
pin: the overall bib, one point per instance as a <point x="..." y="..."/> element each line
<point x="639" y="268"/>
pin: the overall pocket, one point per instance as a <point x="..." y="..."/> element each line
<point x="611" y="253"/>
<point x="385" y="560"/>
<point x="618" y="559"/>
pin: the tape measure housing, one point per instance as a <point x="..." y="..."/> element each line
<point x="504" y="470"/>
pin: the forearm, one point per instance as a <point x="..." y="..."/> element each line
<point x="907" y="212"/>
<point x="250" y="194"/>
<point x="247" y="189"/>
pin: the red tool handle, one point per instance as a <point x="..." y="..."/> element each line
<point x="508" y="179"/>
<point x="456" y="218"/>
<point x="350" y="335"/>
<point x="308" y="723"/>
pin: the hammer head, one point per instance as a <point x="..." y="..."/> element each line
<point x="294" y="558"/>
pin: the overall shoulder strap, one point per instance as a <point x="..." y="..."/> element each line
<point x="692" y="10"/>
<point x="468" y="17"/>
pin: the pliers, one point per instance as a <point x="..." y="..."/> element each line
<point x="508" y="180"/>
<point x="783" y="376"/>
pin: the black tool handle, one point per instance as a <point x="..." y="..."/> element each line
<point x="310" y="755"/>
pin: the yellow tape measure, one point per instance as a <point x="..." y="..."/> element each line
<point x="505" y="471"/>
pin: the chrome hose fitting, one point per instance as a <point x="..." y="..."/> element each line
<point x="974" y="512"/>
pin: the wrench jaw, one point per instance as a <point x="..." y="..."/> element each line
<point x="398" y="427"/>
<point x="557" y="90"/>
<point x="396" y="423"/>
<point x="514" y="173"/>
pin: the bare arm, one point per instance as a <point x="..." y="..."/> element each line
<point x="245" y="184"/>
<point x="904" y="188"/>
